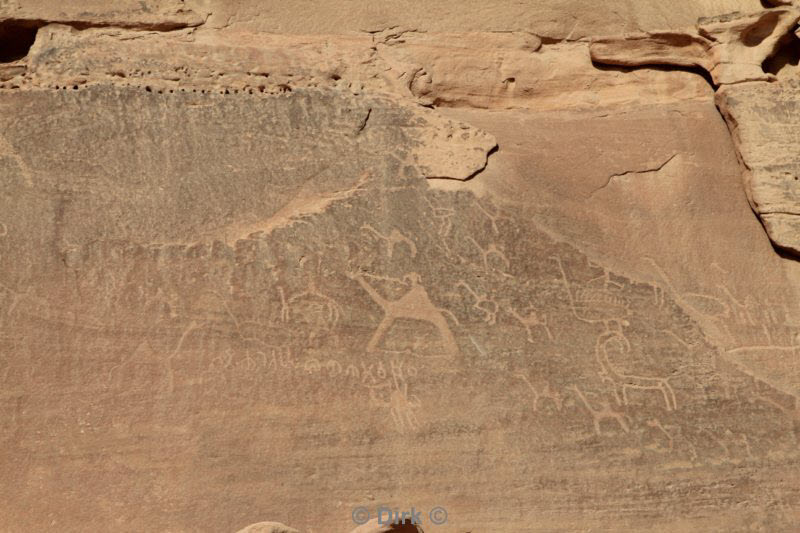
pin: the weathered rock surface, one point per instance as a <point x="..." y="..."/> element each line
<point x="153" y="14"/>
<point x="732" y="48"/>
<point x="297" y="262"/>
<point x="554" y="20"/>
<point x="764" y="124"/>
<point x="448" y="70"/>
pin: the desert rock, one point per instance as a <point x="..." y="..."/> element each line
<point x="275" y="261"/>
<point x="762" y="119"/>
<point x="732" y="48"/>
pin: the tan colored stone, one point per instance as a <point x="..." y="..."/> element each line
<point x="453" y="70"/>
<point x="153" y="14"/>
<point x="307" y="258"/>
<point x="11" y="70"/>
<point x="239" y="364"/>
<point x="658" y="48"/>
<point x="732" y="48"/>
<point x="268" y="527"/>
<point x="554" y="20"/>
<point x="762" y="121"/>
<point x="759" y="114"/>
<point x="741" y="43"/>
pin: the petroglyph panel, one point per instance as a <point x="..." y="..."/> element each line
<point x="217" y="317"/>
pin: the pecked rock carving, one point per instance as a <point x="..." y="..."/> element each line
<point x="263" y="260"/>
<point x="281" y="326"/>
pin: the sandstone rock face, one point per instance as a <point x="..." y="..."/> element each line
<point x="763" y="118"/>
<point x="734" y="49"/>
<point x="274" y="267"/>
<point x="154" y="14"/>
<point x="554" y="20"/>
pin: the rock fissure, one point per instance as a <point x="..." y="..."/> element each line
<point x="742" y="53"/>
<point x="633" y="172"/>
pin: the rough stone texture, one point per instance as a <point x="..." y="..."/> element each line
<point x="551" y="19"/>
<point x="736" y="49"/>
<point x="764" y="123"/>
<point x="399" y="255"/>
<point x="741" y="43"/>
<point x="449" y="70"/>
<point x="683" y="49"/>
<point x="732" y="48"/>
<point x="153" y="14"/>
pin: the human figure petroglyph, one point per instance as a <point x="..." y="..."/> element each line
<point x="401" y="406"/>
<point x="545" y="392"/>
<point x="284" y="313"/>
<point x="606" y="412"/>
<point x="414" y="305"/>
<point x="394" y="238"/>
<point x="532" y="320"/>
<point x="490" y="313"/>
<point x="623" y="382"/>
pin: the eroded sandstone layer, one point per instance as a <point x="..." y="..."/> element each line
<point x="263" y="265"/>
